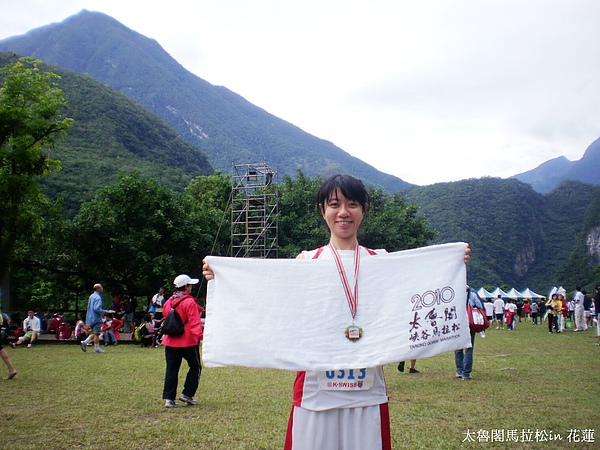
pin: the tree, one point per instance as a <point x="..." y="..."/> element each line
<point x="300" y="224"/>
<point x="209" y="200"/>
<point x="135" y="236"/>
<point x="391" y="221"/>
<point x="30" y="124"/>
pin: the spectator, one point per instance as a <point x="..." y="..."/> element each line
<point x="110" y="328"/>
<point x="412" y="366"/>
<point x="32" y="328"/>
<point x="579" y="299"/>
<point x="4" y="327"/>
<point x="129" y="309"/>
<point x="551" y="308"/>
<point x="534" y="312"/>
<point x="186" y="346"/>
<point x="82" y="331"/>
<point x="93" y="319"/>
<point x="156" y="303"/>
<point x="587" y="308"/>
<point x="527" y="310"/>
<point x="561" y="313"/>
<point x="463" y="359"/>
<point x="148" y="332"/>
<point x="499" y="312"/>
<point x="117" y="304"/>
<point x="489" y="310"/>
<point x="510" y="311"/>
<point x="571" y="306"/>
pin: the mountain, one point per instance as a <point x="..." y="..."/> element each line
<point x="518" y="236"/>
<point x="221" y="123"/>
<point x="550" y="174"/>
<point x="112" y="134"/>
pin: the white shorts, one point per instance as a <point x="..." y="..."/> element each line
<point x="348" y="428"/>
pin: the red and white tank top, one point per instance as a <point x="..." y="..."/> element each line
<point x="349" y="388"/>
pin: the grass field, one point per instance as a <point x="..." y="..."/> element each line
<point x="525" y="381"/>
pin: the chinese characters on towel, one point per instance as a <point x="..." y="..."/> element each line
<point x="292" y="314"/>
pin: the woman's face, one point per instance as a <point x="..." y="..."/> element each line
<point x="343" y="216"/>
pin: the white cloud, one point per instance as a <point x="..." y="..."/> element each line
<point x="428" y="91"/>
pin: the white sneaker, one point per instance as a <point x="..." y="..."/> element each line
<point x="188" y="400"/>
<point x="83" y="346"/>
<point x="171" y="404"/>
<point x="99" y="350"/>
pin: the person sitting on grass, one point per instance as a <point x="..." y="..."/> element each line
<point x="32" y="328"/>
<point x="148" y="332"/>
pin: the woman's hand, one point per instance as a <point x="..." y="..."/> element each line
<point x="467" y="254"/>
<point x="207" y="271"/>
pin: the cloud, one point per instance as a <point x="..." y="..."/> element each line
<point x="428" y="91"/>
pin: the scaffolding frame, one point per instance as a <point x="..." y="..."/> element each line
<point x="254" y="211"/>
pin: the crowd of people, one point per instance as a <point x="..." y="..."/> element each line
<point x="580" y="313"/>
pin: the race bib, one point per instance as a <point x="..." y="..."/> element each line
<point x="346" y="380"/>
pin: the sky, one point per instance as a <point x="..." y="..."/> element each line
<point x="427" y="90"/>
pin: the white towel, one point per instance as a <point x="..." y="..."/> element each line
<point x="292" y="314"/>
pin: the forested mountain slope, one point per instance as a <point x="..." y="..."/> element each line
<point x="221" y="123"/>
<point x="518" y="236"/>
<point x="112" y="134"/>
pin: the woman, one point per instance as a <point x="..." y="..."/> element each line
<point x="551" y="310"/>
<point x="322" y="417"/>
<point x="561" y="313"/>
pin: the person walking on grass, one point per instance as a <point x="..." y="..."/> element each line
<point x="463" y="359"/>
<point x="93" y="319"/>
<point x="5" y="356"/>
<point x="411" y="369"/>
<point x="579" y="299"/>
<point x="499" y="312"/>
<point x="552" y="306"/>
<point x="185" y="346"/>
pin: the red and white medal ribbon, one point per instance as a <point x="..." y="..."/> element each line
<point x="351" y="295"/>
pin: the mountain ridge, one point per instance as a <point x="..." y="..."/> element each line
<point x="226" y="127"/>
<point x="548" y="175"/>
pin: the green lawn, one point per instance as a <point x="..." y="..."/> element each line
<point x="525" y="381"/>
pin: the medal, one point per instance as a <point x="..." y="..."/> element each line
<point x="353" y="332"/>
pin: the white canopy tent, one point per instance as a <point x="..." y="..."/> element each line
<point x="497" y="291"/>
<point x="484" y="294"/>
<point x="513" y="294"/>
<point x="528" y="293"/>
<point x="557" y="290"/>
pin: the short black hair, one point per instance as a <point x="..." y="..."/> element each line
<point x="352" y="188"/>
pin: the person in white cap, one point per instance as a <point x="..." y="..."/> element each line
<point x="185" y="346"/>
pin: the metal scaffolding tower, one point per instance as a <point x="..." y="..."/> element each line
<point x="254" y="211"/>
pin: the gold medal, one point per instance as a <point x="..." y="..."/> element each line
<point x="354" y="332"/>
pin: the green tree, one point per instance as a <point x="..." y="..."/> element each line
<point x="30" y="124"/>
<point x="300" y="224"/>
<point x="209" y="200"/>
<point x="135" y="236"/>
<point x="391" y="221"/>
